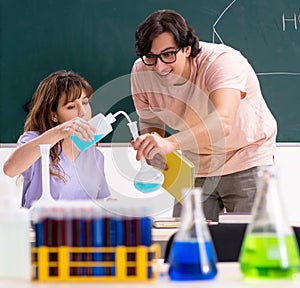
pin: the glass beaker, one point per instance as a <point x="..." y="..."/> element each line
<point x="269" y="248"/>
<point x="192" y="255"/>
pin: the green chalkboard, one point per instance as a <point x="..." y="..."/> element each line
<point x="96" y="39"/>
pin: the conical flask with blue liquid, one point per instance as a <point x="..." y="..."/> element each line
<point x="269" y="249"/>
<point x="192" y="255"/>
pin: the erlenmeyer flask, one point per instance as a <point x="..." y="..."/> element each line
<point x="192" y="255"/>
<point x="148" y="179"/>
<point x="269" y="248"/>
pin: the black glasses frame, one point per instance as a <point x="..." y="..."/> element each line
<point x="159" y="56"/>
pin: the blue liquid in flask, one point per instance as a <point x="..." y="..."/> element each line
<point x="186" y="263"/>
<point x="83" y="145"/>
<point x="148" y="179"/>
<point x="146" y="187"/>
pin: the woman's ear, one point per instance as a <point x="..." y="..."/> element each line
<point x="54" y="117"/>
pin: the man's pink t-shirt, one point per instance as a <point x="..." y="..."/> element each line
<point x="252" y="141"/>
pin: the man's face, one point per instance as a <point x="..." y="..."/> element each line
<point x="180" y="68"/>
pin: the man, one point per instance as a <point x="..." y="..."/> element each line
<point x="210" y="96"/>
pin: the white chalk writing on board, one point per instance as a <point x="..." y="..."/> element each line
<point x="294" y="21"/>
<point x="289" y="21"/>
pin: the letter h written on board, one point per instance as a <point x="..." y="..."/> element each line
<point x="290" y="22"/>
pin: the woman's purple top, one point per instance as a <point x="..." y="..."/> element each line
<point x="85" y="177"/>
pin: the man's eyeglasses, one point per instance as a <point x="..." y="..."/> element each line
<point x="166" y="57"/>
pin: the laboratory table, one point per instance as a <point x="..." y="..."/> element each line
<point x="229" y="275"/>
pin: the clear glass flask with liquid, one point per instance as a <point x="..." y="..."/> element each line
<point x="192" y="255"/>
<point x="269" y="248"/>
<point x="148" y="179"/>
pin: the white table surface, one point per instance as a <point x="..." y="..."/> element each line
<point x="229" y="275"/>
<point x="159" y="234"/>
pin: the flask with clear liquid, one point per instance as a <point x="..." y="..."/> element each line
<point x="192" y="255"/>
<point x="269" y="248"/>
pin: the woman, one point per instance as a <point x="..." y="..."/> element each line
<point x="60" y="108"/>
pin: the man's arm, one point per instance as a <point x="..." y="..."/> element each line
<point x="216" y="126"/>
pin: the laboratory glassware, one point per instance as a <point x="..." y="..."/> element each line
<point x="192" y="255"/>
<point x="269" y="248"/>
<point x="148" y="179"/>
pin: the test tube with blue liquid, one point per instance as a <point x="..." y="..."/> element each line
<point x="98" y="241"/>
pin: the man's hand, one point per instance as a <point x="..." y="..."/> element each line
<point x="153" y="147"/>
<point x="158" y="161"/>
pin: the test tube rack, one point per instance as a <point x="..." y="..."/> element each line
<point x="89" y="244"/>
<point x="121" y="268"/>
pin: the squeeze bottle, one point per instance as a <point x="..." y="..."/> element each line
<point x="14" y="236"/>
<point x="103" y="127"/>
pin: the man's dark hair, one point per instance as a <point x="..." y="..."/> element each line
<point x="165" y="21"/>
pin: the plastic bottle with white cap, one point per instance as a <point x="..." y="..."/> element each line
<point x="103" y="127"/>
<point x="15" y="259"/>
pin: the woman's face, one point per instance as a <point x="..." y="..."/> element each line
<point x="180" y="68"/>
<point x="77" y="108"/>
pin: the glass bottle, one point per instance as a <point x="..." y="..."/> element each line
<point x="269" y="248"/>
<point x="192" y="255"/>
